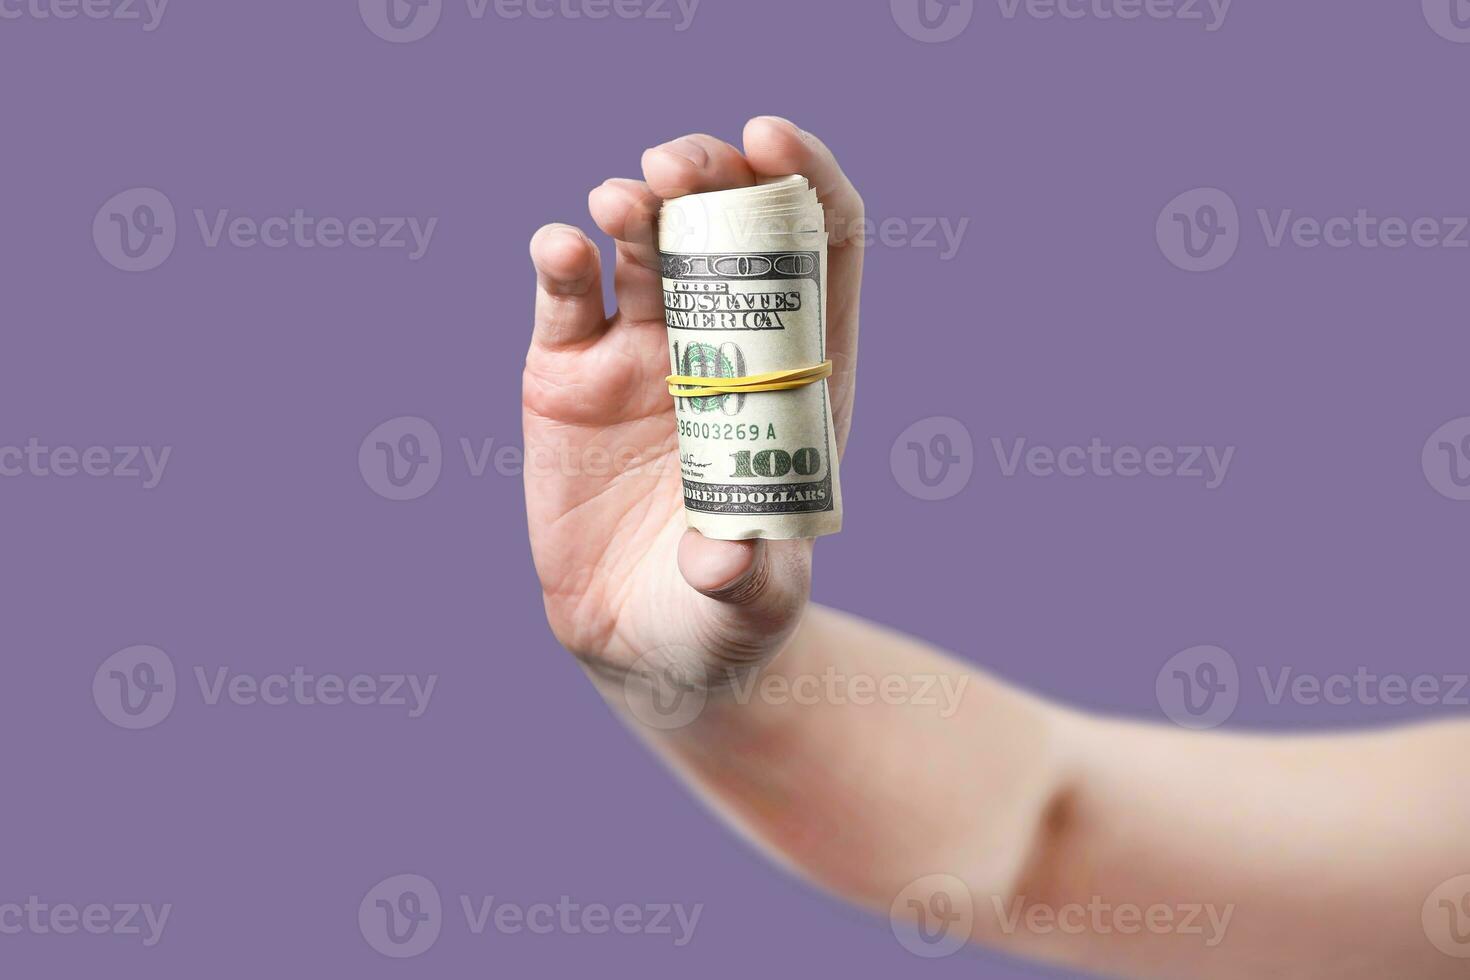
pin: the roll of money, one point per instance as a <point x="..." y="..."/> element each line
<point x="745" y="294"/>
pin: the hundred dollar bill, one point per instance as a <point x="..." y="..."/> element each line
<point x="745" y="293"/>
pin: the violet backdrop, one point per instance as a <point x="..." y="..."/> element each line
<point x="1332" y="546"/>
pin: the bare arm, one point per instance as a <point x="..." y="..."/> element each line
<point x="1242" y="856"/>
<point x="973" y="809"/>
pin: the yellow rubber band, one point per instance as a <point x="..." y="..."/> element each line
<point x="685" y="386"/>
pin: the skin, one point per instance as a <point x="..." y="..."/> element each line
<point x="1304" y="856"/>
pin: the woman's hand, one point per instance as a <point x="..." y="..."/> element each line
<point x="625" y="584"/>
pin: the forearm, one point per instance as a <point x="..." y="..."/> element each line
<point x="1293" y="856"/>
<point x="1130" y="848"/>
<point x="865" y="759"/>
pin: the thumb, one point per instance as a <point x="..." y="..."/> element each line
<point x="757" y="590"/>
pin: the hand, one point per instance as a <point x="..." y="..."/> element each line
<point x="622" y="578"/>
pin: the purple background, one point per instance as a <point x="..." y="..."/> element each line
<point x="1059" y="320"/>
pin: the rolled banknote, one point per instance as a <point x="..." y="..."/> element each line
<point x="745" y="301"/>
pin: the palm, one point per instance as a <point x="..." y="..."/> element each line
<point x="622" y="578"/>
<point x="605" y="508"/>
